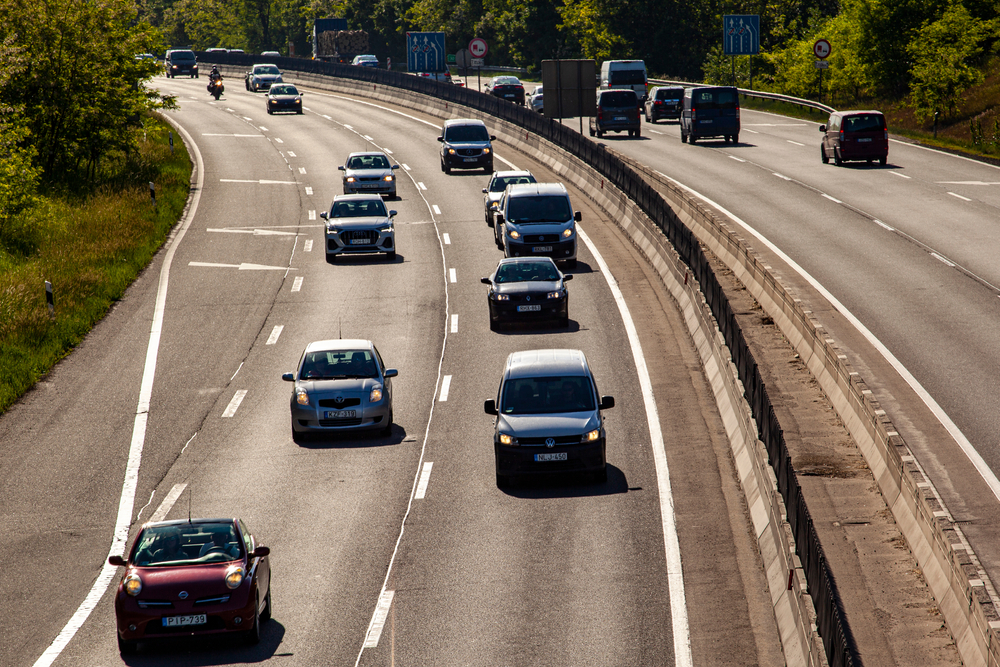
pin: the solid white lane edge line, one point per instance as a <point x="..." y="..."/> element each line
<point x="675" y="572"/>
<point x="733" y="157"/>
<point x="275" y="332"/>
<point x="234" y="404"/>
<point x="941" y="259"/>
<point x="126" y="501"/>
<point x="833" y="199"/>
<point x="445" y="387"/>
<point x="425" y="478"/>
<point x="378" y="620"/>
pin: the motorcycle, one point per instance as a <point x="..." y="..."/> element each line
<point x="216" y="88"/>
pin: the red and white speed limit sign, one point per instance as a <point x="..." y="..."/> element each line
<point x="821" y="48"/>
<point x="477" y="47"/>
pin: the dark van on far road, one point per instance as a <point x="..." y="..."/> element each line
<point x="617" y="111"/>
<point x="855" y="135"/>
<point x="711" y="112"/>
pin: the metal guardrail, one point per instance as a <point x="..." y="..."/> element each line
<point x="831" y="620"/>
<point x="746" y="92"/>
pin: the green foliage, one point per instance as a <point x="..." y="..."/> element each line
<point x="586" y="21"/>
<point x="202" y="24"/>
<point x="18" y="175"/>
<point x="944" y="57"/>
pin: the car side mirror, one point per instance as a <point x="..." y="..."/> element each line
<point x="301" y="93"/>
<point x="498" y="217"/>
<point x="116" y="560"/>
<point x="492" y="138"/>
<point x="440" y="138"/>
<point x="288" y="377"/>
<point x="607" y="402"/>
<point x="390" y="373"/>
<point x="485" y="190"/>
<point x="341" y="168"/>
<point x="485" y="281"/>
<point x="392" y="214"/>
<point x="490" y="407"/>
<point x="260" y="552"/>
<point x="577" y="216"/>
<point x="395" y="166"/>
<point x="323" y="214"/>
<point x="822" y="128"/>
<point x="568" y="276"/>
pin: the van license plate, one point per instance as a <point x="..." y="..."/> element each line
<point x="705" y="122"/>
<point x="533" y="308"/>
<point x="470" y="159"/>
<point x="557" y="456"/>
<point x="864" y="139"/>
<point x="340" y="414"/>
<point x="541" y="248"/>
<point x="621" y="118"/>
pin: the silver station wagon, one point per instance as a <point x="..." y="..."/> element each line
<point x="548" y="417"/>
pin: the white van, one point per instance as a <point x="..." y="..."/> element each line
<point x="625" y="74"/>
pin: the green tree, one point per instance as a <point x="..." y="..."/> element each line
<point x="18" y="174"/>
<point x="944" y="56"/>
<point x="203" y="24"/>
<point x="587" y="21"/>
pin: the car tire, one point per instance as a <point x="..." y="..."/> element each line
<point x="331" y="257"/>
<point x="600" y="133"/>
<point x="823" y="156"/>
<point x="391" y="255"/>
<point x="503" y="481"/>
<point x="883" y="160"/>
<point x="564" y="321"/>
<point x="299" y="112"/>
<point x="684" y="137"/>
<point x="387" y="429"/>
<point x="692" y="139"/>
<point x="591" y="131"/>
<point x="445" y="168"/>
<point x="638" y="132"/>
<point x="269" y="112"/>
<point x="601" y="476"/>
<point x="266" y="615"/>
<point x="126" y="647"/>
<point x="297" y="437"/>
<point x="253" y="634"/>
<point x="836" y="158"/>
<point x="247" y="84"/>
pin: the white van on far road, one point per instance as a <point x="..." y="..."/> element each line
<point x="629" y="74"/>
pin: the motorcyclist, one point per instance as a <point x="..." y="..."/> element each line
<point x="215" y="73"/>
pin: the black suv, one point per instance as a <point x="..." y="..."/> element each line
<point x="181" y="61"/>
<point x="617" y="111"/>
<point x="465" y="144"/>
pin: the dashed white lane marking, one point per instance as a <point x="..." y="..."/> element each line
<point x="302" y="170"/>
<point x="782" y="176"/>
<point x="884" y="226"/>
<point x="349" y="127"/>
<point x="307" y="246"/>
<point x="263" y="129"/>
<point x="833" y="199"/>
<point x="247" y="118"/>
<point x="235" y="403"/>
<point x="278" y="141"/>
<point x="425" y="478"/>
<point x="378" y="619"/>
<point x="794" y="142"/>
<point x="406" y="166"/>
<point x="437" y="211"/>
<point x="254" y="232"/>
<point x="212" y="134"/>
<point x="275" y="332"/>
<point x="242" y="267"/>
<point x="445" y="387"/>
<point x="312" y="214"/>
<point x="454" y="323"/>
<point x="966" y="182"/>
<point x="896" y="173"/>
<point x="942" y="259"/>
<point x="258" y="182"/>
<point x="328" y="118"/>
<point x="452" y="277"/>
<point x="291" y="154"/>
<point x="168" y="502"/>
<point x="751" y="131"/>
<point x="387" y="150"/>
<point x="420" y="184"/>
<point x="309" y="190"/>
<point x="367" y="137"/>
<point x="955" y="194"/>
<point x="447" y="238"/>
<point x="656" y="132"/>
<point x="297" y="283"/>
<point x="733" y="157"/>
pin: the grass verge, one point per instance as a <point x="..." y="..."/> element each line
<point x="91" y="248"/>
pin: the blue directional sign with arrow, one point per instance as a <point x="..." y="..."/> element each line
<point x="741" y="34"/>
<point x="425" y="52"/>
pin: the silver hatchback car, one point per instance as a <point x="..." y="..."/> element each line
<point x="341" y="385"/>
<point x="548" y="417"/>
<point x="369" y="172"/>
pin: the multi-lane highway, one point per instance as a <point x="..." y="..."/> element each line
<point x="385" y="550"/>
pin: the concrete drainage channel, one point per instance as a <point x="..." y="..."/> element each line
<point x="965" y="596"/>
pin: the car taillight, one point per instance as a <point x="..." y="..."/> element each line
<point x="841" y="135"/>
<point x="694" y="115"/>
<point x="658" y="103"/>
<point x="737" y="112"/>
<point x="600" y="113"/>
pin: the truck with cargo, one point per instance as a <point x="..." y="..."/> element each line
<point x="333" y="42"/>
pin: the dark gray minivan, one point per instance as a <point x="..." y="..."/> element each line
<point x="617" y="111"/>
<point x="711" y="112"/>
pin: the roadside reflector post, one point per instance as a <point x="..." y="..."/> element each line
<point x="152" y="192"/>
<point x="170" y="138"/>
<point x="48" y="299"/>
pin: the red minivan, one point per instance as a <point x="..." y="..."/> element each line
<point x="855" y="135"/>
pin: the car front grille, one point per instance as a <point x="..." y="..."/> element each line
<point x="333" y="403"/>
<point x="366" y="235"/>
<point x="540" y="442"/>
<point x="541" y="238"/>
<point x="340" y="422"/>
<point x="218" y="599"/>
<point x="469" y="152"/>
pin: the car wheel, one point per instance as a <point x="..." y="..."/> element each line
<point x="823" y="156"/>
<point x="692" y="139"/>
<point x="126" y="647"/>
<point x="391" y="255"/>
<point x="269" y="112"/>
<point x="638" y="132"/>
<point x="247" y="85"/>
<point x="591" y="131"/>
<point x="445" y="168"/>
<point x="882" y="160"/>
<point x="298" y="437"/>
<point x="387" y="429"/>
<point x="564" y="321"/>
<point x="600" y="133"/>
<point x="503" y="481"/>
<point x="601" y="476"/>
<point x="330" y="257"/>
<point x="684" y="137"/>
<point x="836" y="157"/>
<point x="299" y="112"/>
<point x="253" y="634"/>
<point x="266" y="615"/>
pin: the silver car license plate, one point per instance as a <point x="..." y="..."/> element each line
<point x="359" y="241"/>
<point x="178" y="621"/>
<point x="340" y="414"/>
<point x="470" y="159"/>
<point x="557" y="456"/>
<point x="541" y="248"/>
<point x="864" y="139"/>
<point x="621" y="118"/>
<point x="529" y="309"/>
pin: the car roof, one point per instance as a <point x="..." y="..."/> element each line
<point x="363" y="153"/>
<point x="265" y="65"/>
<point x="336" y="344"/>
<point x="364" y="196"/>
<point x="855" y="112"/>
<point x="505" y="174"/>
<point x="526" y="260"/>
<point x="541" y="363"/>
<point x="463" y="121"/>
<point x="181" y="522"/>
<point x="527" y="189"/>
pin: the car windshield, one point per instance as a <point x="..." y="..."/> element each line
<point x="868" y="122"/>
<point x="716" y="98"/>
<point x="547" y="395"/>
<point x="182" y="55"/>
<point x="459" y="133"/>
<point x="670" y="94"/>
<point x="338" y="364"/>
<point x="507" y="81"/>
<point x="358" y="208"/>
<point x="539" y="208"/>
<point x="284" y="90"/>
<point x="266" y="69"/>
<point x="620" y="98"/>
<point x="519" y="272"/>
<point x="500" y="183"/>
<point x="186" y="544"/>
<point x="368" y="162"/>
<point x="627" y="77"/>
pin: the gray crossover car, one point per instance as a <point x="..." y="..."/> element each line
<point x="537" y="219"/>
<point x="527" y="288"/>
<point x="261" y="77"/>
<point x="359" y="224"/>
<point x="369" y="172"/>
<point x="548" y="417"/>
<point x="494" y="191"/>
<point x="341" y="385"/>
<point x="466" y="144"/>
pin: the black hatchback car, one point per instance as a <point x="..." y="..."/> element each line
<point x="664" y="102"/>
<point x="527" y="288"/>
<point x="283" y="97"/>
<point x="466" y="144"/>
<point x="617" y="111"/>
<point x="507" y="88"/>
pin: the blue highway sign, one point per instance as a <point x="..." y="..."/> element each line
<point x="425" y="52"/>
<point x="741" y="34"/>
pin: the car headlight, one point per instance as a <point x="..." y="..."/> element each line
<point x="591" y="436"/>
<point x="376" y="395"/>
<point x="133" y="584"/>
<point x="508" y="440"/>
<point x="558" y="294"/>
<point x="568" y="232"/>
<point x="495" y="206"/>
<point x="486" y="151"/>
<point x="502" y="297"/>
<point x="279" y="80"/>
<point x="234" y="576"/>
<point x="513" y="233"/>
<point x="298" y="101"/>
<point x="451" y="151"/>
<point x="331" y="228"/>
<point x="349" y="179"/>
<point x="387" y="227"/>
<point x="301" y="396"/>
<point x="388" y="178"/>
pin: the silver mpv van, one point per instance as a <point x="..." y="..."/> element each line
<point x="548" y="417"/>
